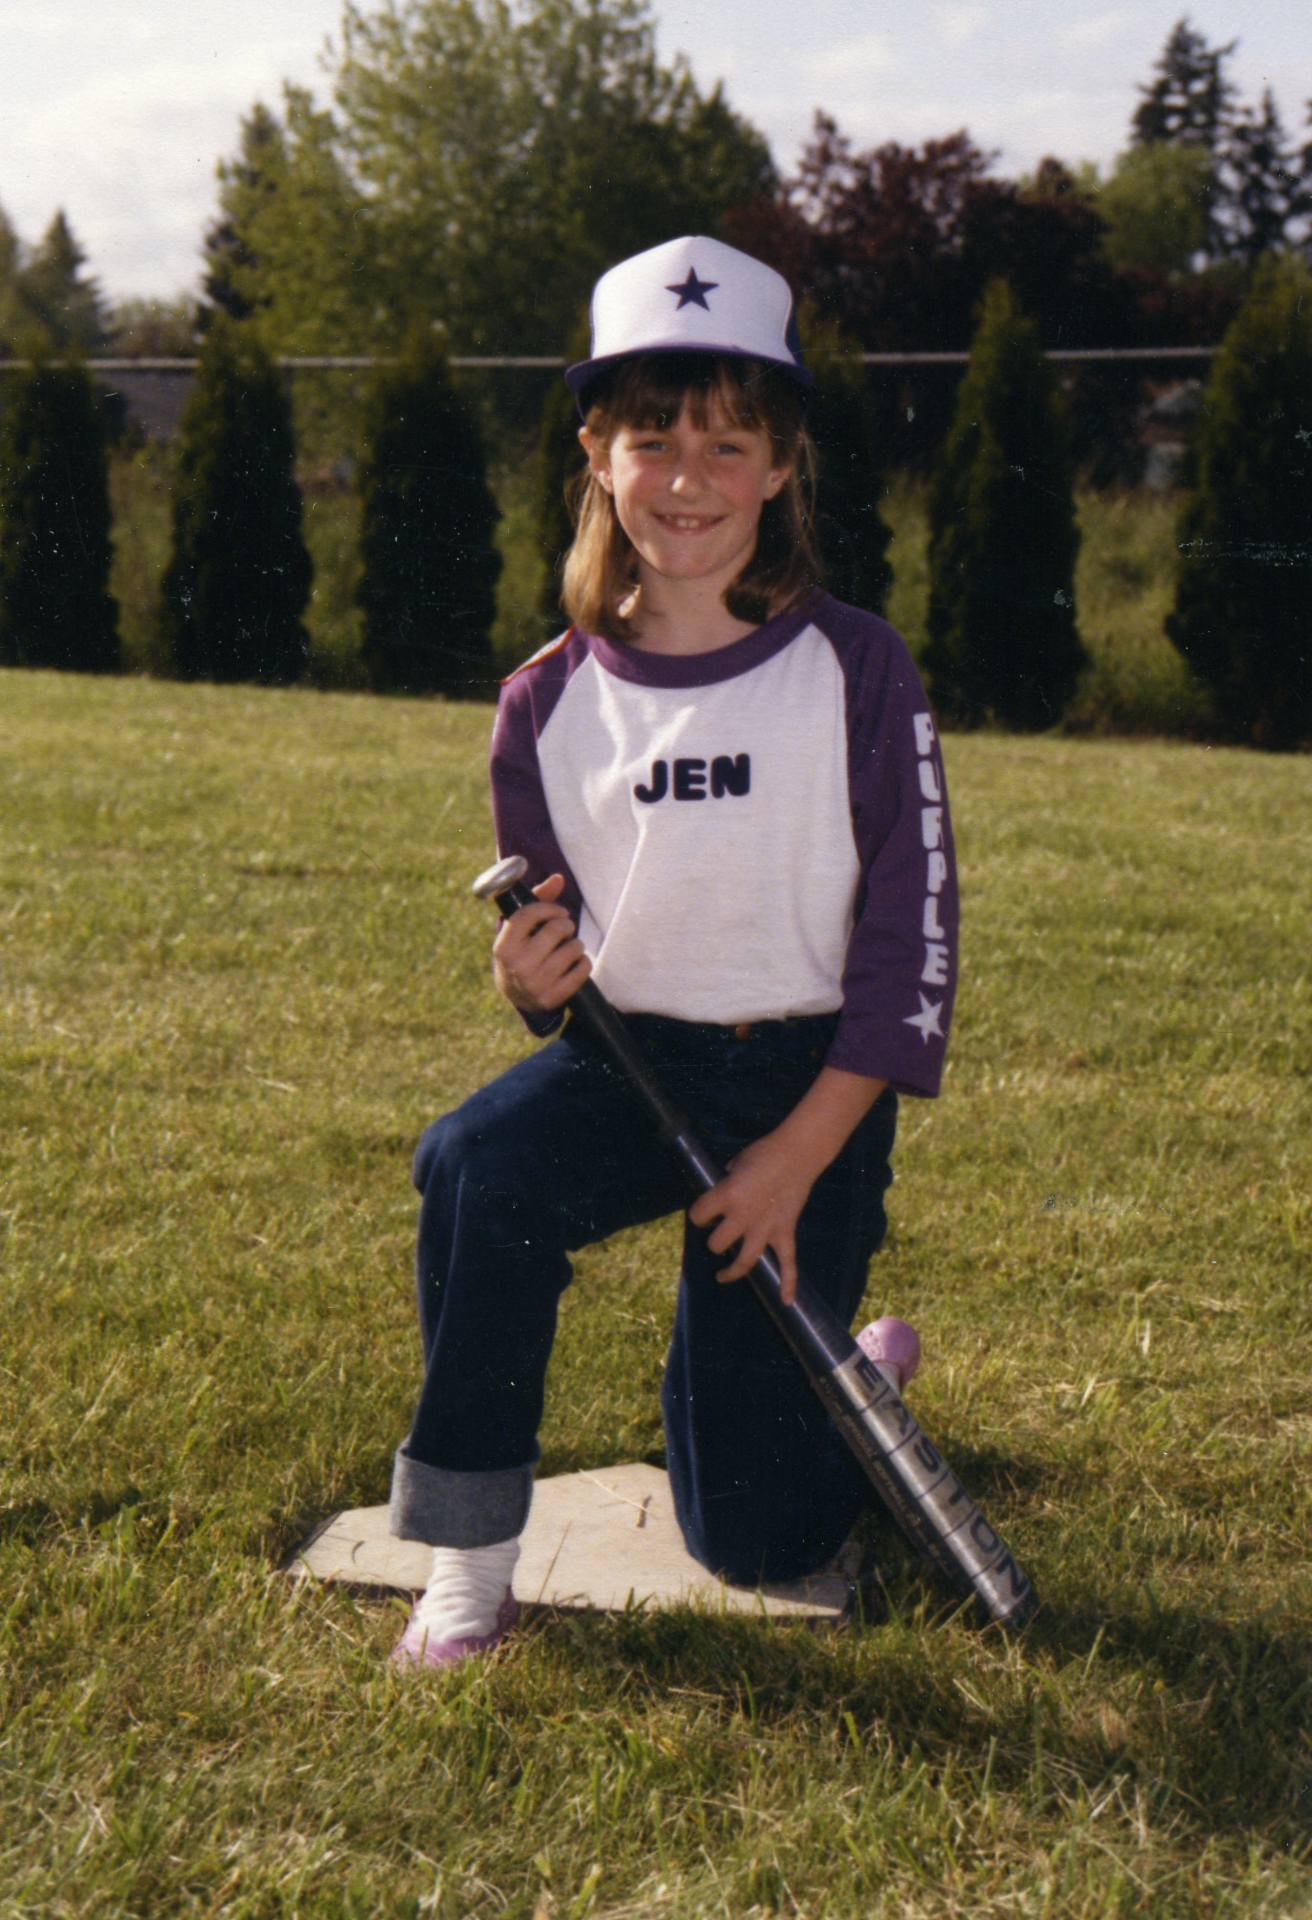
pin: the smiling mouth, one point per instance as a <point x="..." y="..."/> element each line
<point x="688" y="523"/>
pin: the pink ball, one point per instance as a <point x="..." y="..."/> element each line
<point x="891" y="1344"/>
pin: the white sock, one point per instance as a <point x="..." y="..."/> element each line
<point x="465" y="1590"/>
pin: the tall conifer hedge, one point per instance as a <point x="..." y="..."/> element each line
<point x="430" y="559"/>
<point x="853" y="535"/>
<point x="56" y="609"/>
<point x="1243" y="607"/>
<point x="1003" y="539"/>
<point x="238" y="580"/>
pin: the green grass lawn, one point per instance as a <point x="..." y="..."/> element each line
<point x="240" y="969"/>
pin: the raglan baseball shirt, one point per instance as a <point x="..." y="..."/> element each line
<point x="748" y="834"/>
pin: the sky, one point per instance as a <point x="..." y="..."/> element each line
<point x="119" y="110"/>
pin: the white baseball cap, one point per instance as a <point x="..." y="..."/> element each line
<point x="692" y="296"/>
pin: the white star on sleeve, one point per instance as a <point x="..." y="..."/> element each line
<point x="927" y="1019"/>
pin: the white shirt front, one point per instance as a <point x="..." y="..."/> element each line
<point x="701" y="900"/>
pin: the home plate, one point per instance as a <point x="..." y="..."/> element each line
<point x="606" y="1539"/>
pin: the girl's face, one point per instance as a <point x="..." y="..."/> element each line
<point x="688" y="497"/>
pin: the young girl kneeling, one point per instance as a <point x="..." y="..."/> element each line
<point x="729" y="791"/>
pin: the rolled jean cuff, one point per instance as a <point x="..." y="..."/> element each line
<point x="444" y="1508"/>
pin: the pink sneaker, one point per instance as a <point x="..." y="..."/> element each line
<point x="416" y="1648"/>
<point x="893" y="1345"/>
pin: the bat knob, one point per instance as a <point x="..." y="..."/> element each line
<point x="893" y="1345"/>
<point x="501" y="877"/>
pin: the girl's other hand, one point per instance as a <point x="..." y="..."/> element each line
<point x="757" y="1205"/>
<point x="538" y="961"/>
<point x="760" y="1200"/>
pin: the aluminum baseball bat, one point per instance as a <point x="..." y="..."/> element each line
<point x="908" y="1472"/>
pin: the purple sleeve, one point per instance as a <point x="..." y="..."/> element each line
<point x="899" y="977"/>
<point x="519" y="804"/>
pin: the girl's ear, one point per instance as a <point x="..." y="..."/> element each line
<point x="598" y="458"/>
<point x="775" y="480"/>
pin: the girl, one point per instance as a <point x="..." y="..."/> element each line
<point x="729" y="788"/>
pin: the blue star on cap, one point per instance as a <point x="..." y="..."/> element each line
<point x="693" y="292"/>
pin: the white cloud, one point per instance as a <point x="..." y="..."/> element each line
<point x="120" y="116"/>
<point x="1072" y="125"/>
<point x="958" y="24"/>
<point x="851" y="62"/>
<point x="147" y="139"/>
<point x="118" y="110"/>
<point x="1097" y="29"/>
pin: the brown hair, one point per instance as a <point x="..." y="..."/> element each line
<point x="651" y="390"/>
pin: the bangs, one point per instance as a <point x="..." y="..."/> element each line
<point x="652" y="390"/>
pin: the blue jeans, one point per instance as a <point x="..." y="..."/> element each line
<point x="556" y="1154"/>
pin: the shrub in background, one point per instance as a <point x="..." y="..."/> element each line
<point x="428" y="519"/>
<point x="1243" y="608"/>
<point x="56" y="609"/>
<point x="853" y="535"/>
<point x="238" y="579"/>
<point x="1003" y="643"/>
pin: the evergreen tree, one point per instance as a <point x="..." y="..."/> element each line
<point x="239" y="576"/>
<point x="1189" y="103"/>
<point x="1003" y="540"/>
<point x="430" y="560"/>
<point x="248" y="186"/>
<point x="853" y="535"/>
<point x="1241" y="615"/>
<point x="55" y="553"/>
<point x="64" y="302"/>
<point x="292" y="250"/>
<point x="14" y="316"/>
<point x="1190" y="98"/>
<point x="1260" y="173"/>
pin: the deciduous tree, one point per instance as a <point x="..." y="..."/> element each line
<point x="1154" y="204"/>
<point x="509" y="152"/>
<point x="152" y="329"/>
<point x="480" y="163"/>
<point x="887" y="233"/>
